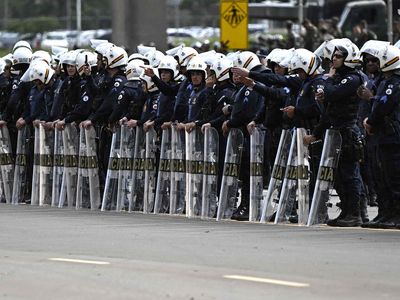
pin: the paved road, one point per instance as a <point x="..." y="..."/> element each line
<point x="48" y="253"/>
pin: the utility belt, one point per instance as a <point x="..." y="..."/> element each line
<point x="352" y="145"/>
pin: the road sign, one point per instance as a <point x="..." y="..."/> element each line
<point x="233" y="23"/>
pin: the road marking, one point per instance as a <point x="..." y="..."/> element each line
<point x="267" y="280"/>
<point x="80" y="261"/>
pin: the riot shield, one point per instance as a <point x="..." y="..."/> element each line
<point x="21" y="166"/>
<point x="6" y="165"/>
<point x="325" y="177"/>
<point x="150" y="171"/>
<point x="111" y="185"/>
<point x="256" y="174"/>
<point x="303" y="177"/>
<point x="161" y="204"/>
<point x="58" y="190"/>
<point x="229" y="185"/>
<point x="71" y="158"/>
<point x="194" y="172"/>
<point x="287" y="198"/>
<point x="88" y="190"/>
<point x="137" y="196"/>
<point x="178" y="176"/>
<point x="46" y="165"/>
<point x="36" y="168"/>
<point x="125" y="167"/>
<point x="210" y="173"/>
<point x="278" y="172"/>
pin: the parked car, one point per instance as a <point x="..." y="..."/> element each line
<point x="59" y="38"/>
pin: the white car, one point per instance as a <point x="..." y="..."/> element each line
<point x="65" y="39"/>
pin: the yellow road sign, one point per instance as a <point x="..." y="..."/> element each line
<point x="233" y="23"/>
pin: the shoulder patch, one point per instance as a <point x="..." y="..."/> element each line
<point x="120" y="97"/>
<point x="247" y="93"/>
<point x="389" y="91"/>
<point x="116" y="84"/>
<point x="343" y="81"/>
<point x="85" y="98"/>
<point x="14" y="86"/>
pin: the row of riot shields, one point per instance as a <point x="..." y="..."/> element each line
<point x="175" y="172"/>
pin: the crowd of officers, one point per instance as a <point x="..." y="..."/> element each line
<point x="355" y="91"/>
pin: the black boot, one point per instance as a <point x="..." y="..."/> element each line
<point x="241" y="214"/>
<point x="351" y="220"/>
<point x="364" y="210"/>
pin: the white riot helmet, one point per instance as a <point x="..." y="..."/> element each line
<point x="372" y="47"/>
<point x="40" y="70"/>
<point x="3" y="64"/>
<point x="22" y="44"/>
<point x="103" y="48"/>
<point x="389" y="58"/>
<point x="154" y="58"/>
<point x="351" y="54"/>
<point x="281" y="57"/>
<point x="169" y="63"/>
<point x="138" y="56"/>
<point x="115" y="57"/>
<point x="58" y="51"/>
<point x="150" y="85"/>
<point x="134" y="69"/>
<point x="185" y="54"/>
<point x="69" y="58"/>
<point x="328" y="47"/>
<point x="174" y="51"/>
<point x="42" y="55"/>
<point x="248" y="60"/>
<point x="85" y="58"/>
<point x="197" y="64"/>
<point x="22" y="56"/>
<point x="221" y="67"/>
<point x="305" y="60"/>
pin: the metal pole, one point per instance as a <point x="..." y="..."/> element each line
<point x="301" y="16"/>
<point x="390" y="20"/>
<point x="78" y="15"/>
<point x="69" y="25"/>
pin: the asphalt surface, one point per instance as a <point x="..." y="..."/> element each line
<point x="48" y="253"/>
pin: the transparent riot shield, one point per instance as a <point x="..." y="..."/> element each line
<point x="46" y="165"/>
<point x="194" y="172"/>
<point x="210" y="173"/>
<point x="58" y="189"/>
<point x="229" y="185"/>
<point x="150" y="171"/>
<point x="287" y="198"/>
<point x="21" y="166"/>
<point x="71" y="160"/>
<point x="111" y="185"/>
<point x="6" y="165"/>
<point x="303" y="177"/>
<point x="88" y="189"/>
<point x="125" y="167"/>
<point x="256" y="174"/>
<point x="161" y="204"/>
<point x="137" y="196"/>
<point x="278" y="173"/>
<point x="325" y="177"/>
<point x="178" y="175"/>
<point x="36" y="168"/>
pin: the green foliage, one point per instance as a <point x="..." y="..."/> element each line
<point x="38" y="24"/>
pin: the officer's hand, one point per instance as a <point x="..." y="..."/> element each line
<point x="190" y="126"/>
<point x="251" y="126"/>
<point x="205" y="126"/>
<point x="3" y="123"/>
<point x="132" y="123"/>
<point x="210" y="81"/>
<point x="364" y="93"/>
<point x="166" y="125"/>
<point x="247" y="81"/>
<point x="225" y="128"/>
<point x="148" y="125"/>
<point x="87" y="124"/>
<point x="320" y="95"/>
<point x="148" y="71"/>
<point x="60" y="125"/>
<point x="180" y="126"/>
<point x="48" y="125"/>
<point x="20" y="123"/>
<point x="226" y="109"/>
<point x="240" y="72"/>
<point x="332" y="72"/>
<point x="123" y="121"/>
<point x="36" y="123"/>
<point x="289" y="110"/>
<point x="308" y="139"/>
<point x="368" y="127"/>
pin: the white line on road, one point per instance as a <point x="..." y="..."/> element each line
<point x="267" y="280"/>
<point x="80" y="261"/>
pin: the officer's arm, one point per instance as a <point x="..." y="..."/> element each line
<point x="166" y="89"/>
<point x="385" y="105"/>
<point x="346" y="88"/>
<point x="82" y="110"/>
<point x="290" y="81"/>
